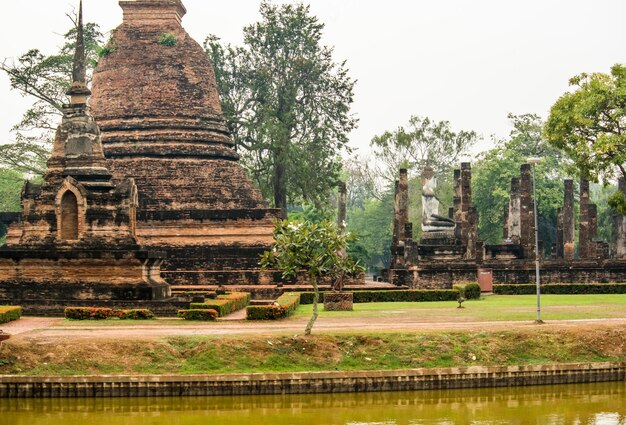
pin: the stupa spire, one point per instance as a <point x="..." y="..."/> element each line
<point x="79" y="92"/>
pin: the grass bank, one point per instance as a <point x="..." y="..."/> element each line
<point x="366" y="351"/>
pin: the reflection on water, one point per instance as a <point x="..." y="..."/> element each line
<point x="600" y="404"/>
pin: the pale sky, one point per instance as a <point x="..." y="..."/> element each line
<point x="468" y="62"/>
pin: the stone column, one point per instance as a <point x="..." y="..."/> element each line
<point x="514" y="217"/>
<point x="466" y="201"/>
<point x="396" y="207"/>
<point x="403" y="203"/>
<point x="559" y="233"/>
<point x="472" y="234"/>
<point x="592" y="245"/>
<point x="505" y="228"/>
<point x="584" y="235"/>
<point x="457" y="204"/>
<point x="527" y="215"/>
<point x="618" y="237"/>
<point x="341" y="207"/>
<point x="568" y="220"/>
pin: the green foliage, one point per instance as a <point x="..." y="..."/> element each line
<point x="135" y="314"/>
<point x="423" y="142"/>
<point x="46" y="79"/>
<point x="197" y="314"/>
<point x="372" y="227"/>
<point x="472" y="291"/>
<point x="11" y="183"/>
<point x="392" y="296"/>
<point x="168" y="39"/>
<point x="225" y="304"/>
<point x="287" y="103"/>
<point x="10" y="313"/>
<point x="89" y="313"/>
<point x="318" y="249"/>
<point x="283" y="307"/>
<point x="562" y="289"/>
<point x="492" y="173"/>
<point x="589" y="124"/>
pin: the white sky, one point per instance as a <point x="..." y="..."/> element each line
<point x="468" y="62"/>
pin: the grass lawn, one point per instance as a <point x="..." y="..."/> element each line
<point x="490" y="308"/>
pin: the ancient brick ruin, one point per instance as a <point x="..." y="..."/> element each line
<point x="76" y="238"/>
<point x="162" y="125"/>
<point x="443" y="258"/>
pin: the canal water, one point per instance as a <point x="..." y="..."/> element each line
<point x="599" y="404"/>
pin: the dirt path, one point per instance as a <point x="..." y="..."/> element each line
<point x="38" y="328"/>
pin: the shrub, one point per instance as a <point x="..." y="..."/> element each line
<point x="136" y="314"/>
<point x="197" y="314"/>
<point x="9" y="313"/>
<point x="88" y="313"/>
<point x="224" y="304"/>
<point x="168" y="39"/>
<point x="411" y="295"/>
<point x="560" y="288"/>
<point x="472" y="291"/>
<point x="284" y="306"/>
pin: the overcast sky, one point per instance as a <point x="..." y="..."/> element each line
<point x="468" y="62"/>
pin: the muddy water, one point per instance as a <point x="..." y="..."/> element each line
<point x="601" y="404"/>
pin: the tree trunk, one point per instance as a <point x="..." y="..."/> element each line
<point x="316" y="295"/>
<point x="280" y="186"/>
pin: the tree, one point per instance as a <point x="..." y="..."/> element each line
<point x="589" y="124"/>
<point x="46" y="79"/>
<point x="422" y="142"/>
<point x="493" y="171"/>
<point x="287" y="103"/>
<point x="315" y="248"/>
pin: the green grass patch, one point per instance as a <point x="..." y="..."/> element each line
<point x="282" y="353"/>
<point x="491" y="308"/>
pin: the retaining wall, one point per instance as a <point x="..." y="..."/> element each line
<point x="308" y="382"/>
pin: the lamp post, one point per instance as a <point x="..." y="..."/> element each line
<point x="533" y="161"/>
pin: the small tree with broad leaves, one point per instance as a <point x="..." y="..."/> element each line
<point x="318" y="249"/>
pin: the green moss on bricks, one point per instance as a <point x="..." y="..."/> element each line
<point x="168" y="39"/>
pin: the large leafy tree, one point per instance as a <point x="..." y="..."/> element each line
<point x="422" y="142"/>
<point x="45" y="79"/>
<point x="589" y="124"/>
<point x="287" y="103"/>
<point x="493" y="171"/>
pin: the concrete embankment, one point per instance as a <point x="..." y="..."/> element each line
<point x="308" y="382"/>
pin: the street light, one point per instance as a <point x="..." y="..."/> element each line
<point x="534" y="161"/>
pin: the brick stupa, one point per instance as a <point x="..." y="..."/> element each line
<point x="155" y="99"/>
<point x="76" y="236"/>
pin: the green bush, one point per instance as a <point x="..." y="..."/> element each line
<point x="283" y="307"/>
<point x="472" y="291"/>
<point x="224" y="304"/>
<point x="393" y="296"/>
<point x="89" y="313"/>
<point x="168" y="39"/>
<point x="197" y="314"/>
<point x="135" y="314"/>
<point x="9" y="313"/>
<point x="560" y="288"/>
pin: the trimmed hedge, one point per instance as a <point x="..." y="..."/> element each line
<point x="89" y="313"/>
<point x="470" y="291"/>
<point x="198" y="314"/>
<point x="135" y="314"/>
<point x="560" y="288"/>
<point x="283" y="307"/>
<point x="411" y="295"/>
<point x="224" y="304"/>
<point x="9" y="313"/>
